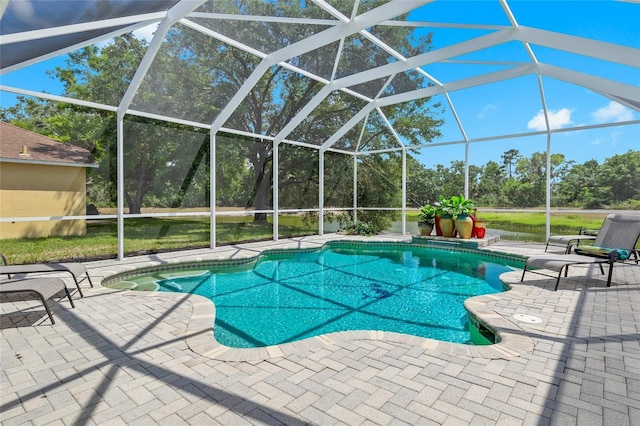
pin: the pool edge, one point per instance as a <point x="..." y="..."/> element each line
<point x="199" y="336"/>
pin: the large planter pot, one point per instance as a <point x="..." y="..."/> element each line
<point x="481" y="228"/>
<point x="438" y="229"/>
<point x="425" y="228"/>
<point x="448" y="226"/>
<point x="464" y="225"/>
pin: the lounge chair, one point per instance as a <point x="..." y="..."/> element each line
<point x="568" y="241"/>
<point x="45" y="288"/>
<point x="615" y="242"/>
<point x="75" y="269"/>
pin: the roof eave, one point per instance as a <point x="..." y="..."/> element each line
<point x="48" y="163"/>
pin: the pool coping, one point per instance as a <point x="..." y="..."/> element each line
<point x="199" y="335"/>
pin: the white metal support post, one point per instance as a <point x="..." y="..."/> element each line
<point x="543" y="100"/>
<point x="321" y="193"/>
<point x="548" y="195"/>
<point x="404" y="191"/>
<point x="173" y="15"/>
<point x="355" y="187"/>
<point x="120" y="179"/>
<point x="466" y="169"/>
<point x="276" y="188"/>
<point x="212" y="189"/>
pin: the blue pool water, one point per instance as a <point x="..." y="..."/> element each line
<point x="284" y="298"/>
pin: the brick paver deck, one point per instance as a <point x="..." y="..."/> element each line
<point x="123" y="357"/>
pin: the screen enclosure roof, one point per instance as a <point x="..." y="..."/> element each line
<point x="477" y="49"/>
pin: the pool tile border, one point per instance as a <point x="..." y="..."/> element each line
<point x="212" y="263"/>
<point x="199" y="336"/>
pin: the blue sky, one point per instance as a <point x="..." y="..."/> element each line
<point x="512" y="106"/>
<point x="515" y="106"/>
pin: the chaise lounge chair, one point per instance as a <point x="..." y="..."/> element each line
<point x="567" y="241"/>
<point x="75" y="269"/>
<point x="45" y="288"/>
<point x="615" y="242"/>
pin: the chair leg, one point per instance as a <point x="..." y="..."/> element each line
<point x="46" y="307"/>
<point x="89" y="278"/>
<point x="69" y="296"/>
<point x="566" y="268"/>
<point x="601" y="268"/>
<point x="610" y="275"/>
<point x="77" y="284"/>
<point x="523" y="272"/>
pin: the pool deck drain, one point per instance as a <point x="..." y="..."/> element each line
<point x="126" y="357"/>
<point x="527" y="318"/>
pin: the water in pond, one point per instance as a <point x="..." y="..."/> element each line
<point x="417" y="291"/>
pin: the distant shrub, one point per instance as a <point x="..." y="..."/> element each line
<point x="349" y="227"/>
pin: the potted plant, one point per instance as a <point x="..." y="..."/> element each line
<point x="426" y="219"/>
<point x="480" y="227"/>
<point x="438" y="207"/>
<point x="461" y="208"/>
<point x="445" y="208"/>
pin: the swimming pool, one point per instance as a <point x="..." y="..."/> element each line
<point x="287" y="296"/>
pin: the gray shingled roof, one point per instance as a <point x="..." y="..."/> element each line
<point x="39" y="148"/>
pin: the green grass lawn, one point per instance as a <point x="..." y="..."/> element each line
<point x="561" y="223"/>
<point x="147" y="235"/>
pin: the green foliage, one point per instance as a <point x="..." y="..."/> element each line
<point x="359" y="227"/>
<point x="427" y="214"/>
<point x="423" y="184"/>
<point x="444" y="206"/>
<point x="491" y="185"/>
<point x="455" y="206"/>
<point x="461" y="206"/>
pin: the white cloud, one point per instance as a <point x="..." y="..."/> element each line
<point x="614" y="112"/>
<point x="557" y="119"/>
<point x="486" y="110"/>
<point x="596" y="142"/>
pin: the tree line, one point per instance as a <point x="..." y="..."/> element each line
<point x="518" y="181"/>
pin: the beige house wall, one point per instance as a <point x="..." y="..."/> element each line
<point x="35" y="190"/>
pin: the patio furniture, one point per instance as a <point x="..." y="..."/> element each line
<point x="75" y="269"/>
<point x="45" y="288"/>
<point x="615" y="242"/>
<point x="568" y="241"/>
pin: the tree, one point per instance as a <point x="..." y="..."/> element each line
<point x="579" y="187"/>
<point x="491" y="185"/>
<point x="280" y="94"/>
<point x="509" y="160"/>
<point x="529" y="188"/>
<point x="384" y="173"/>
<point x="452" y="179"/>
<point x="423" y="184"/>
<point x="619" y="178"/>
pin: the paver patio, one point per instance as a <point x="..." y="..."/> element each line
<point x="123" y="357"/>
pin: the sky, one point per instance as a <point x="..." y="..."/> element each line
<point x="512" y="106"/>
<point x="515" y="106"/>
